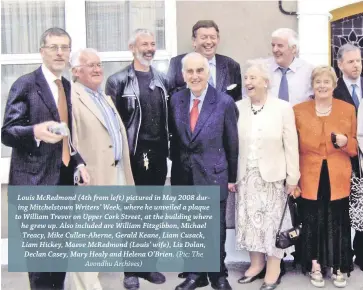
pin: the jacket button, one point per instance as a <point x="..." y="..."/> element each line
<point x="110" y="146"/>
<point x="30" y="154"/>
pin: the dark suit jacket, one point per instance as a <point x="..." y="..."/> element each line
<point x="210" y="153"/>
<point x="228" y="72"/>
<point x="341" y="92"/>
<point x="31" y="102"/>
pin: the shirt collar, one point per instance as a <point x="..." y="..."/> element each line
<point x="349" y="82"/>
<point x="90" y="91"/>
<point x="296" y="63"/>
<point x="49" y="76"/>
<point x="212" y="61"/>
<point x="202" y="96"/>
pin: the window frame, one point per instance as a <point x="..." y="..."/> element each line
<point x="77" y="30"/>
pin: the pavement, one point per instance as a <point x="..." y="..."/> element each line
<point x="293" y="280"/>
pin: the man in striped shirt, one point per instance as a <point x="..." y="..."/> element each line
<point x="99" y="135"/>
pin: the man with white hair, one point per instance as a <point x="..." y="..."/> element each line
<point x="291" y="76"/>
<point x="204" y="149"/>
<point x="140" y="94"/>
<point x="96" y="122"/>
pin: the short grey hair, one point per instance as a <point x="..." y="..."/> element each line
<point x="262" y="66"/>
<point x="346" y="48"/>
<point x="191" y="55"/>
<point x="290" y="35"/>
<point x="137" y="32"/>
<point x="54" y="31"/>
<point x="74" y="60"/>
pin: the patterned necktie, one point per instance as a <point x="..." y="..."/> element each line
<point x="63" y="114"/>
<point x="211" y="80"/>
<point x="355" y="96"/>
<point x="194" y="113"/>
<point x="284" y="87"/>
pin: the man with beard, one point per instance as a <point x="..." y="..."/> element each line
<point x="225" y="72"/>
<point x="350" y="90"/>
<point x="140" y="96"/>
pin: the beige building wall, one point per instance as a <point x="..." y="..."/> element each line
<point x="245" y="26"/>
<point x="245" y="29"/>
<point x="245" y="33"/>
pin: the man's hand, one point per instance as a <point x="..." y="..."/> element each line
<point x="85" y="176"/>
<point x="341" y="140"/>
<point x="232" y="187"/>
<point x="41" y="133"/>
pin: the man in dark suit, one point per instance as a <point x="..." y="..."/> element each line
<point x="350" y="90"/>
<point x="225" y="72"/>
<point x="36" y="102"/>
<point x="204" y="148"/>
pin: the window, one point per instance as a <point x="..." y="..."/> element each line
<point x="103" y="25"/>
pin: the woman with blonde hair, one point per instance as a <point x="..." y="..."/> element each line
<point x="327" y="139"/>
<point x="268" y="159"/>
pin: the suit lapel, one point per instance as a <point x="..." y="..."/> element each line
<point x="184" y="112"/>
<point x="206" y="111"/>
<point x="88" y="102"/>
<point x="345" y="91"/>
<point x="45" y="93"/>
<point x="221" y="72"/>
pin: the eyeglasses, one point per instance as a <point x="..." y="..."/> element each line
<point x="54" y="48"/>
<point x="91" y="65"/>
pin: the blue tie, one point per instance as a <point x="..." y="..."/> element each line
<point x="210" y="80"/>
<point x="354" y="96"/>
<point x="284" y="87"/>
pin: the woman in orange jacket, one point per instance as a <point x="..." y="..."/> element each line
<point x="327" y="139"/>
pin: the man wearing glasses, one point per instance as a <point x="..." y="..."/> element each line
<point x="36" y="102"/>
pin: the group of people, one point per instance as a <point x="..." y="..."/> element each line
<point x="295" y="131"/>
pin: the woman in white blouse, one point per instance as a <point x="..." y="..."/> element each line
<point x="268" y="170"/>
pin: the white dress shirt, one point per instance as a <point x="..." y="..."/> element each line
<point x="200" y="98"/>
<point x="358" y="90"/>
<point x="213" y="69"/>
<point x="50" y="78"/>
<point x="298" y="79"/>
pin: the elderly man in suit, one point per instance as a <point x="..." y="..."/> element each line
<point x="350" y="89"/>
<point x="225" y="73"/>
<point x="204" y="148"/>
<point x="96" y="122"/>
<point x="36" y="102"/>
